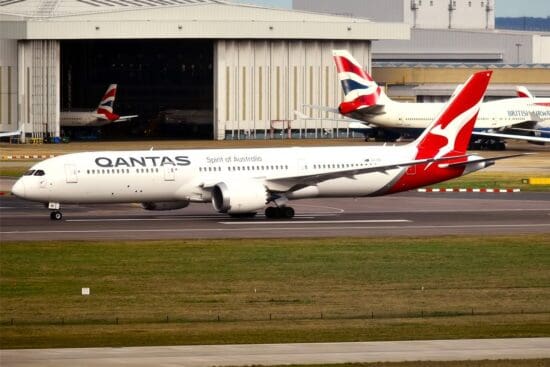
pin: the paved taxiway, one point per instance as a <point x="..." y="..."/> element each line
<point x="406" y="214"/>
<point x="270" y="354"/>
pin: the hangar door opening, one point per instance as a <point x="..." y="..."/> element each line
<point x="168" y="83"/>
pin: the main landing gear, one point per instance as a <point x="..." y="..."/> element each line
<point x="55" y="214"/>
<point x="276" y="212"/>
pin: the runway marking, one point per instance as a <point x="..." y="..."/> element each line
<point x="225" y="229"/>
<point x="137" y="219"/>
<point x="320" y="221"/>
<point x="154" y="219"/>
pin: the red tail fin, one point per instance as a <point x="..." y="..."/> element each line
<point x="449" y="134"/>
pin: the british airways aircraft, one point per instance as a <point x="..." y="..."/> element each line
<point x="241" y="182"/>
<point x="364" y="100"/>
<point x="102" y="115"/>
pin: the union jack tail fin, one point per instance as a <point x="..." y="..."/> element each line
<point x="450" y="132"/>
<point x="105" y="108"/>
<point x="360" y="90"/>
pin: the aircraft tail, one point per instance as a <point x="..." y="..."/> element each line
<point x="360" y="90"/>
<point x="450" y="132"/>
<point x="105" y="108"/>
<point x="523" y="92"/>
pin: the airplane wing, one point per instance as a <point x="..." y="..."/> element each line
<point x="534" y="139"/>
<point x="293" y="183"/>
<point x="125" y="118"/>
<point x="473" y="161"/>
<point x="10" y="133"/>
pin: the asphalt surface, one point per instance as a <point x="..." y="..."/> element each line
<point x="406" y="214"/>
<point x="270" y="354"/>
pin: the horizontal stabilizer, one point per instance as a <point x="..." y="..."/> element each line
<point x="11" y="133"/>
<point x="125" y="118"/>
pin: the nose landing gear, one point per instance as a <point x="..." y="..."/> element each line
<point x="55" y="214"/>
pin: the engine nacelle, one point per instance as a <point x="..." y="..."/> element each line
<point x="237" y="197"/>
<point x="164" y="205"/>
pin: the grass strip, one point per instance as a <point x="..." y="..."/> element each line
<point x="265" y="290"/>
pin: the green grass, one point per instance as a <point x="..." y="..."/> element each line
<point x="501" y="180"/>
<point x="273" y="290"/>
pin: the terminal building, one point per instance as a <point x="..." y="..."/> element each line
<point x="241" y="70"/>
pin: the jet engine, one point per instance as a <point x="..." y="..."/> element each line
<point x="164" y="205"/>
<point x="239" y="197"/>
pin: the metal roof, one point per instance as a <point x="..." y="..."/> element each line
<point x="53" y="8"/>
<point x="214" y="19"/>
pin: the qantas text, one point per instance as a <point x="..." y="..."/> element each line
<point x="154" y="161"/>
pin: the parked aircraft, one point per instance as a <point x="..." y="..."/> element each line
<point x="241" y="182"/>
<point x="366" y="101"/>
<point x="103" y="114"/>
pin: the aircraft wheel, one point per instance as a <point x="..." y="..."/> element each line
<point x="56" y="215"/>
<point x="271" y="212"/>
<point x="287" y="212"/>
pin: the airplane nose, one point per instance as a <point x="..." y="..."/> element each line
<point x="18" y="189"/>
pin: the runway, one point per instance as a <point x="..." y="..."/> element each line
<point x="271" y="354"/>
<point x="406" y="214"/>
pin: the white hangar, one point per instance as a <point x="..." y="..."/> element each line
<point x="246" y="65"/>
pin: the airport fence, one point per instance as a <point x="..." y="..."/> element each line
<point x="271" y="317"/>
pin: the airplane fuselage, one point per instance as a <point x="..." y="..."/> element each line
<point x="493" y="115"/>
<point x="81" y="119"/>
<point x="189" y="175"/>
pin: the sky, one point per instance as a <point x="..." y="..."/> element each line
<point x="503" y="8"/>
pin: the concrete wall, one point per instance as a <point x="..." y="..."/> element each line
<point x="460" y="46"/>
<point x="8" y="85"/>
<point x="259" y="82"/>
<point x="29" y="85"/>
<point x="433" y="14"/>
<point x="541" y="49"/>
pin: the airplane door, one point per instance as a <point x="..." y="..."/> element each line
<point x="169" y="173"/>
<point x="70" y="173"/>
<point x="411" y="171"/>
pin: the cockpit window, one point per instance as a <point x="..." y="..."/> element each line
<point x="39" y="172"/>
<point x="29" y="172"/>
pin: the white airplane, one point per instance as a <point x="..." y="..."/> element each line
<point x="240" y="182"/>
<point x="103" y="114"/>
<point x="365" y="101"/>
<point x="538" y="127"/>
